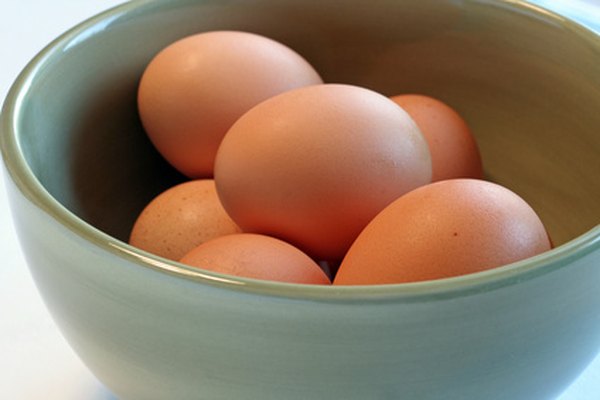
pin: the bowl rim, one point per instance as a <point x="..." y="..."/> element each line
<point x="23" y="177"/>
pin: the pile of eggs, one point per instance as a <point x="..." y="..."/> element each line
<point x="296" y="180"/>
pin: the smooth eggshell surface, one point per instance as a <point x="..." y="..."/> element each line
<point x="256" y="256"/>
<point x="444" y="229"/>
<point x="181" y="218"/>
<point x="312" y="166"/>
<point x="195" y="89"/>
<point x="454" y="151"/>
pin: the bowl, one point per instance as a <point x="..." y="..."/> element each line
<point x="79" y="168"/>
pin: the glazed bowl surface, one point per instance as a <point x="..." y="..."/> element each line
<point x="80" y="168"/>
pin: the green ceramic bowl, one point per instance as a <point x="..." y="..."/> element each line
<point x="79" y="170"/>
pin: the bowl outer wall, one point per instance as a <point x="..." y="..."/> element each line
<point x="153" y="336"/>
<point x="148" y="334"/>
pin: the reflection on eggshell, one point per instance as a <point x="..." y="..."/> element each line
<point x="444" y="229"/>
<point x="454" y="152"/>
<point x="313" y="165"/>
<point x="195" y="89"/>
<point x="181" y="218"/>
<point x="256" y="256"/>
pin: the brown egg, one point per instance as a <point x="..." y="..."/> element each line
<point x="181" y="218"/>
<point x="314" y="165"/>
<point x="256" y="256"/>
<point x="454" y="152"/>
<point x="193" y="91"/>
<point x="444" y="229"/>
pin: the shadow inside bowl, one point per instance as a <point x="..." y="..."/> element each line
<point x="107" y="136"/>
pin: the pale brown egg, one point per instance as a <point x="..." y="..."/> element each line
<point x="454" y="151"/>
<point x="314" y="165"/>
<point x="195" y="89"/>
<point x="256" y="256"/>
<point x="444" y="229"/>
<point x="180" y="219"/>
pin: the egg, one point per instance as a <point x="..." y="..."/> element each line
<point x="454" y="151"/>
<point x="314" y="165"/>
<point x="193" y="91"/>
<point x="180" y="219"/>
<point x="445" y="229"/>
<point x="256" y="256"/>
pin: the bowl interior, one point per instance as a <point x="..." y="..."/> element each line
<point x="526" y="81"/>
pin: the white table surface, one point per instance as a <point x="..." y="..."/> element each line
<point x="35" y="360"/>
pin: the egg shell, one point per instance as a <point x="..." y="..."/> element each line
<point x="256" y="256"/>
<point x="180" y="219"/>
<point x="454" y="151"/>
<point x="444" y="229"/>
<point x="314" y="165"/>
<point x="195" y="89"/>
